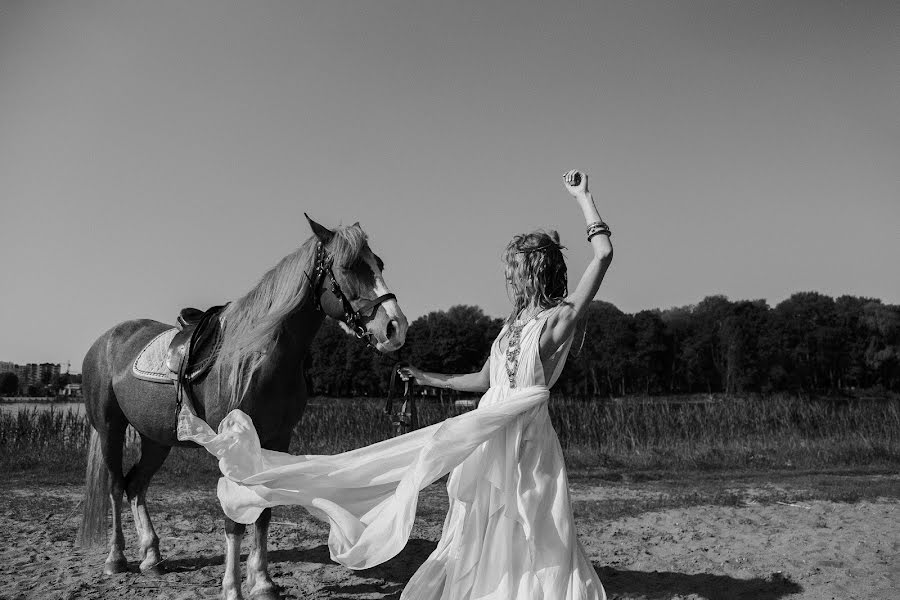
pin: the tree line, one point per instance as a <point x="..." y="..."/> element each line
<point x="809" y="343"/>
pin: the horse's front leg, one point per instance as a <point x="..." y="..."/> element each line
<point x="231" y="581"/>
<point x="261" y="585"/>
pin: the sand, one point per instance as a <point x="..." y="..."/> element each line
<point x="804" y="550"/>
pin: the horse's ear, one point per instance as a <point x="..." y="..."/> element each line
<point x="323" y="233"/>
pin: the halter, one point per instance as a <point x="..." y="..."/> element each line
<point x="353" y="317"/>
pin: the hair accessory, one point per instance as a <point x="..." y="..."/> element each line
<point x="540" y="248"/>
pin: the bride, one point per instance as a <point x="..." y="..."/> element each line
<point x="509" y="533"/>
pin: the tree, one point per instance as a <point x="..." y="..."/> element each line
<point x="702" y="348"/>
<point x="457" y="340"/>
<point x="679" y="323"/>
<point x="809" y="344"/>
<point x="739" y="336"/>
<point x="651" y="357"/>
<point x="852" y="370"/>
<point x="602" y="366"/>
<point x="882" y="354"/>
<point x="9" y="384"/>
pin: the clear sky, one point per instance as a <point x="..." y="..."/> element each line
<point x="161" y="154"/>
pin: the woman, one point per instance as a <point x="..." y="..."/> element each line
<point x="509" y="533"/>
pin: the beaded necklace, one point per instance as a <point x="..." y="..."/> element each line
<point x="513" y="346"/>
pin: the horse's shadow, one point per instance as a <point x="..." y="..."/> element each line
<point x="399" y="568"/>
<point x="319" y="554"/>
<point x="619" y="583"/>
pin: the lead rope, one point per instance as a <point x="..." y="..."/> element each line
<point x="407" y="418"/>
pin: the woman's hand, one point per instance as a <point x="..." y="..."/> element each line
<point x="410" y="372"/>
<point x="576" y="183"/>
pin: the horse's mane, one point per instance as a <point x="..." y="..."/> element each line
<point x="252" y="323"/>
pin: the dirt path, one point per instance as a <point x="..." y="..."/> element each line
<point x="756" y="548"/>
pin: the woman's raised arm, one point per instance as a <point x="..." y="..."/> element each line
<point x="563" y="322"/>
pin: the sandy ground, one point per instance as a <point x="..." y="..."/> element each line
<point x="755" y="547"/>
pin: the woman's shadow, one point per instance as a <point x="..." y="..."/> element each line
<point x="664" y="585"/>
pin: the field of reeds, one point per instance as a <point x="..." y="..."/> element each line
<point x="644" y="434"/>
<point x="638" y="434"/>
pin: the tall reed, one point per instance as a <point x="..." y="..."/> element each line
<point x="779" y="432"/>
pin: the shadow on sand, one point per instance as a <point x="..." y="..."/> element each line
<point x="620" y="584"/>
<point x="399" y="568"/>
<point x="319" y="554"/>
<point x="663" y="585"/>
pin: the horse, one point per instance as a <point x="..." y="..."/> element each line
<point x="257" y="366"/>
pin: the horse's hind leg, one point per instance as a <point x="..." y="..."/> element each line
<point x="113" y="444"/>
<point x="136" y="483"/>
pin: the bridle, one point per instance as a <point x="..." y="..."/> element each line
<point x="354" y="318"/>
<point x="406" y="419"/>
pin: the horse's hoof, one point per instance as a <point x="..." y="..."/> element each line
<point x="156" y="569"/>
<point x="111" y="567"/>
<point x="268" y="594"/>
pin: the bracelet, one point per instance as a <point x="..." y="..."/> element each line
<point x="605" y="232"/>
<point x="597" y="225"/>
<point x="597" y="228"/>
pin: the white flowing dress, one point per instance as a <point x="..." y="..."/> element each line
<point x="509" y="533"/>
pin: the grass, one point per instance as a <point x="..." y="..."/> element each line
<point x="777" y="432"/>
<point x="641" y="435"/>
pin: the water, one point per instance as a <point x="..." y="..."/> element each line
<point x="15" y="407"/>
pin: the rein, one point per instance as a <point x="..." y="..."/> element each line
<point x="407" y="418"/>
<point x="353" y="317"/>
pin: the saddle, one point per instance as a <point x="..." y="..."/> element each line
<point x="193" y="349"/>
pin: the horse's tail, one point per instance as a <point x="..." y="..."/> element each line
<point x="94" y="521"/>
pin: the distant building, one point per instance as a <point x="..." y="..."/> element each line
<point x="33" y="375"/>
<point x="72" y="390"/>
<point x="49" y="373"/>
<point x="29" y="374"/>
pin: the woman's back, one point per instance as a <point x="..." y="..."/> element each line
<point x="516" y="355"/>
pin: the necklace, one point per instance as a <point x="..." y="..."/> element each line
<point x="513" y="346"/>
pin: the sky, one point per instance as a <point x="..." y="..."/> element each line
<point x="156" y="155"/>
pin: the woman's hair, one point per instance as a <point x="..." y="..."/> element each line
<point x="535" y="271"/>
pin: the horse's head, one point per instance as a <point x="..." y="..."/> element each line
<point x="352" y="290"/>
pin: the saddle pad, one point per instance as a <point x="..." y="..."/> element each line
<point x="150" y="364"/>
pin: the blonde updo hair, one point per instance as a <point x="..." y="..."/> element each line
<point x="535" y="271"/>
